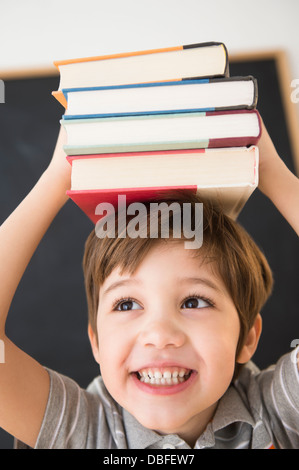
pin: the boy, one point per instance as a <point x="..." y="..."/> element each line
<point x="168" y="328"/>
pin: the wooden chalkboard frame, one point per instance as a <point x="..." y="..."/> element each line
<point x="284" y="79"/>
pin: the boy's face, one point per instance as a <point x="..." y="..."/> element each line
<point x="175" y="319"/>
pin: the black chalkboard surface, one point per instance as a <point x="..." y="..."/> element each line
<point x="262" y="220"/>
<point x="48" y="317"/>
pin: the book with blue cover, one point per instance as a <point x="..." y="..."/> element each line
<point x="161" y="97"/>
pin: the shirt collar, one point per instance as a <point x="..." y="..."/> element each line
<point x="138" y="437"/>
<point x="231" y="409"/>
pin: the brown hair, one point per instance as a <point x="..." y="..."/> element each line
<point x="238" y="260"/>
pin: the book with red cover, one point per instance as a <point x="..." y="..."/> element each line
<point x="162" y="132"/>
<point x="208" y="59"/>
<point x="227" y="176"/>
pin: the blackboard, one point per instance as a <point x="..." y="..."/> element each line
<point x="48" y="317"/>
<point x="260" y="218"/>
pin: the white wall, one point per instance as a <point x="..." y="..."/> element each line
<point x="35" y="32"/>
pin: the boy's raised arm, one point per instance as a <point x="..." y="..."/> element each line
<point x="277" y="182"/>
<point x="24" y="384"/>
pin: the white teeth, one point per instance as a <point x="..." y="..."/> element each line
<point x="166" y="377"/>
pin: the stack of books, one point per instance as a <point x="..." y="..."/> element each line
<point x="140" y="124"/>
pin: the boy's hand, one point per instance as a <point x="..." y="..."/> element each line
<point x="268" y="157"/>
<point x="59" y="167"/>
<point x="277" y="182"/>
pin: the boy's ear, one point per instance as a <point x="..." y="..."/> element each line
<point x="94" y="343"/>
<point x="251" y="342"/>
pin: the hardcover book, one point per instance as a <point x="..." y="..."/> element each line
<point x="227" y="176"/>
<point x="162" y="132"/>
<point x="154" y="98"/>
<point x="173" y="63"/>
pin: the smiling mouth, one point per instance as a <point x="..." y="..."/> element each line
<point x="163" y="377"/>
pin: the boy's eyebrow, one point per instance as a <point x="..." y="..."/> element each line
<point x="194" y="280"/>
<point x="201" y="280"/>
<point x="122" y="282"/>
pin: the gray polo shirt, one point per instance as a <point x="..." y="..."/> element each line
<point x="259" y="411"/>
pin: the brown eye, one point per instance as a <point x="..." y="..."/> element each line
<point x="195" y="302"/>
<point x="127" y="305"/>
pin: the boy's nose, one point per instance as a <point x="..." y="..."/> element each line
<point x="162" y="334"/>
